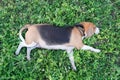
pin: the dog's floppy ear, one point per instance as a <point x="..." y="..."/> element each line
<point x="90" y="32"/>
<point x="80" y="28"/>
<point x="79" y="25"/>
<point x="89" y="28"/>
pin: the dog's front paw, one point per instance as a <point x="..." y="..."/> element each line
<point x="74" y="68"/>
<point x="28" y="58"/>
<point x="97" y="50"/>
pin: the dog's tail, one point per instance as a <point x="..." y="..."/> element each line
<point x="21" y="30"/>
<point x="21" y="37"/>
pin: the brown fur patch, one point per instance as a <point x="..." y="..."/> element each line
<point x="76" y="38"/>
<point x="31" y="35"/>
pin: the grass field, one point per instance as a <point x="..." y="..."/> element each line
<point x="55" y="65"/>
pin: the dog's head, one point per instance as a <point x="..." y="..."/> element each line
<point x="89" y="28"/>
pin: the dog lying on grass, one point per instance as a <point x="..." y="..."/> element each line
<point x="51" y="37"/>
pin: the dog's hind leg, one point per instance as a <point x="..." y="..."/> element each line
<point x="21" y="44"/>
<point x="29" y="50"/>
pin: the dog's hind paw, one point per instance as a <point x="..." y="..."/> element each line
<point x="16" y="53"/>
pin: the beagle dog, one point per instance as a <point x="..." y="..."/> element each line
<point x="52" y="37"/>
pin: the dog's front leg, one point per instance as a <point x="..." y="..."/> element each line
<point x="71" y="57"/>
<point x="85" y="47"/>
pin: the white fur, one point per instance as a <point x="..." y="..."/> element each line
<point x="85" y="34"/>
<point x="62" y="47"/>
<point x="23" y="44"/>
<point x="71" y="57"/>
<point x="85" y="47"/>
<point x="30" y="45"/>
<point x="97" y="30"/>
<point x="83" y="37"/>
<point x="20" y="36"/>
<point x="28" y="51"/>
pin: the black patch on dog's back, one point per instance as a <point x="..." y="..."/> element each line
<point x="55" y="35"/>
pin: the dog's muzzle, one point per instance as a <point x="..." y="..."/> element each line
<point x="97" y="30"/>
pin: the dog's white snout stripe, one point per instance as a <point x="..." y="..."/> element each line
<point x="97" y="30"/>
